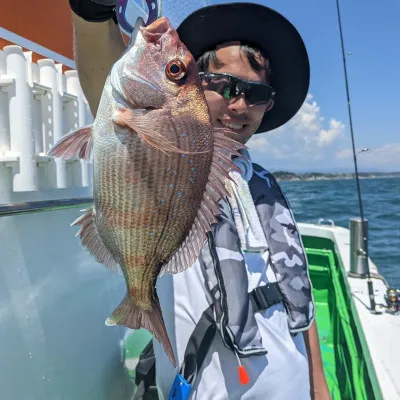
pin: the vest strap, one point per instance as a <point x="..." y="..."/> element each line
<point x="263" y="297"/>
<point x="198" y="346"/>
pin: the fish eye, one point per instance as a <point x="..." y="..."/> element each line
<point x="175" y="69"/>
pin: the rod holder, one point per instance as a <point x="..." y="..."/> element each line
<point x="21" y="121"/>
<point x="52" y="114"/>
<point x="73" y="87"/>
<point x="358" y="248"/>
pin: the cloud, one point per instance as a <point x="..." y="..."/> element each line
<point x="307" y="137"/>
<point x="336" y="130"/>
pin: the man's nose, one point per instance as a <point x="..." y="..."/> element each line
<point x="239" y="105"/>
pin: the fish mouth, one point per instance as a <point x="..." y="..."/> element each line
<point x="155" y="31"/>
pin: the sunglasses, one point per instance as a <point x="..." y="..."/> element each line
<point x="230" y="86"/>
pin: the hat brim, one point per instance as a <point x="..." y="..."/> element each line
<point x="266" y="29"/>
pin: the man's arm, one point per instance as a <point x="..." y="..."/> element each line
<point x="319" y="386"/>
<point x="97" y="46"/>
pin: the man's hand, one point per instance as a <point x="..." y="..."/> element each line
<point x="94" y="10"/>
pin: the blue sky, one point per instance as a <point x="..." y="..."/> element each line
<point x="370" y="33"/>
<point x="318" y="138"/>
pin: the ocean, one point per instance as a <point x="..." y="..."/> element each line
<point x="337" y="200"/>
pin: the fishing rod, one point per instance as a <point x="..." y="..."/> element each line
<point x="360" y="203"/>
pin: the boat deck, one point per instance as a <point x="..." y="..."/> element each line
<point x="378" y="333"/>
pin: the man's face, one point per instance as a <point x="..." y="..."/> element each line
<point x="236" y="114"/>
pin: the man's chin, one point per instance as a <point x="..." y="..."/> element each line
<point x="239" y="135"/>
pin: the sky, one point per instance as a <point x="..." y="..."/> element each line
<point x="318" y="137"/>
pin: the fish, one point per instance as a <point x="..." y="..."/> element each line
<point x="159" y="172"/>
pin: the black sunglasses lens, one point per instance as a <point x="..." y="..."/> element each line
<point x="230" y="87"/>
<point x="223" y="86"/>
<point x="259" y="94"/>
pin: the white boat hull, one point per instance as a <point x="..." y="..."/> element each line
<point x="54" y="299"/>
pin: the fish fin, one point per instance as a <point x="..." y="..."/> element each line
<point x="128" y="314"/>
<point x="91" y="239"/>
<point x="143" y="123"/>
<point x="78" y="142"/>
<point x="209" y="210"/>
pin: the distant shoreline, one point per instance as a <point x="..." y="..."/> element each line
<point x="319" y="176"/>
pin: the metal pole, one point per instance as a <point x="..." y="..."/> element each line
<point x="358" y="260"/>
<point x="360" y="204"/>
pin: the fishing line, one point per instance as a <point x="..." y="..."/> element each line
<point x="360" y="203"/>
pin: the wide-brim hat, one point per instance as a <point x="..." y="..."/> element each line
<point x="266" y="29"/>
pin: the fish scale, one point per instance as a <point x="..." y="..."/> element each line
<point x="159" y="171"/>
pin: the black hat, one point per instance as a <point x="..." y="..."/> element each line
<point x="265" y="29"/>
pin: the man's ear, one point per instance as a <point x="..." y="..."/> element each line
<point x="270" y="105"/>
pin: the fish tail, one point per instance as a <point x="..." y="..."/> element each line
<point x="128" y="314"/>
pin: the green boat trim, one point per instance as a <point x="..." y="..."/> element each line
<point x="349" y="365"/>
<point x="350" y="374"/>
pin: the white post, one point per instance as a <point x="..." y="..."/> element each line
<point x="73" y="87"/>
<point x="4" y="118"/>
<point x="89" y="120"/>
<point x="52" y="112"/>
<point x="21" y="125"/>
<point x="37" y="107"/>
<point x="37" y="126"/>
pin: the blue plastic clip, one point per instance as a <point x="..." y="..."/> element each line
<point x="180" y="389"/>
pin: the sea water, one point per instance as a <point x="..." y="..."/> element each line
<point x="337" y="200"/>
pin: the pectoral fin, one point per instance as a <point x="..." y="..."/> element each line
<point x="150" y="128"/>
<point x="78" y="142"/>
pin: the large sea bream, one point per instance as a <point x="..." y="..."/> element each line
<point x="159" y="170"/>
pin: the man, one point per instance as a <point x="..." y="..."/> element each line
<point x="255" y="75"/>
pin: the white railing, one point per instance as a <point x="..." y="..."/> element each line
<point x="38" y="105"/>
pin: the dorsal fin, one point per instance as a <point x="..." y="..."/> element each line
<point x="184" y="257"/>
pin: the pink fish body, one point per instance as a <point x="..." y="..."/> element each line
<point x="159" y="172"/>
